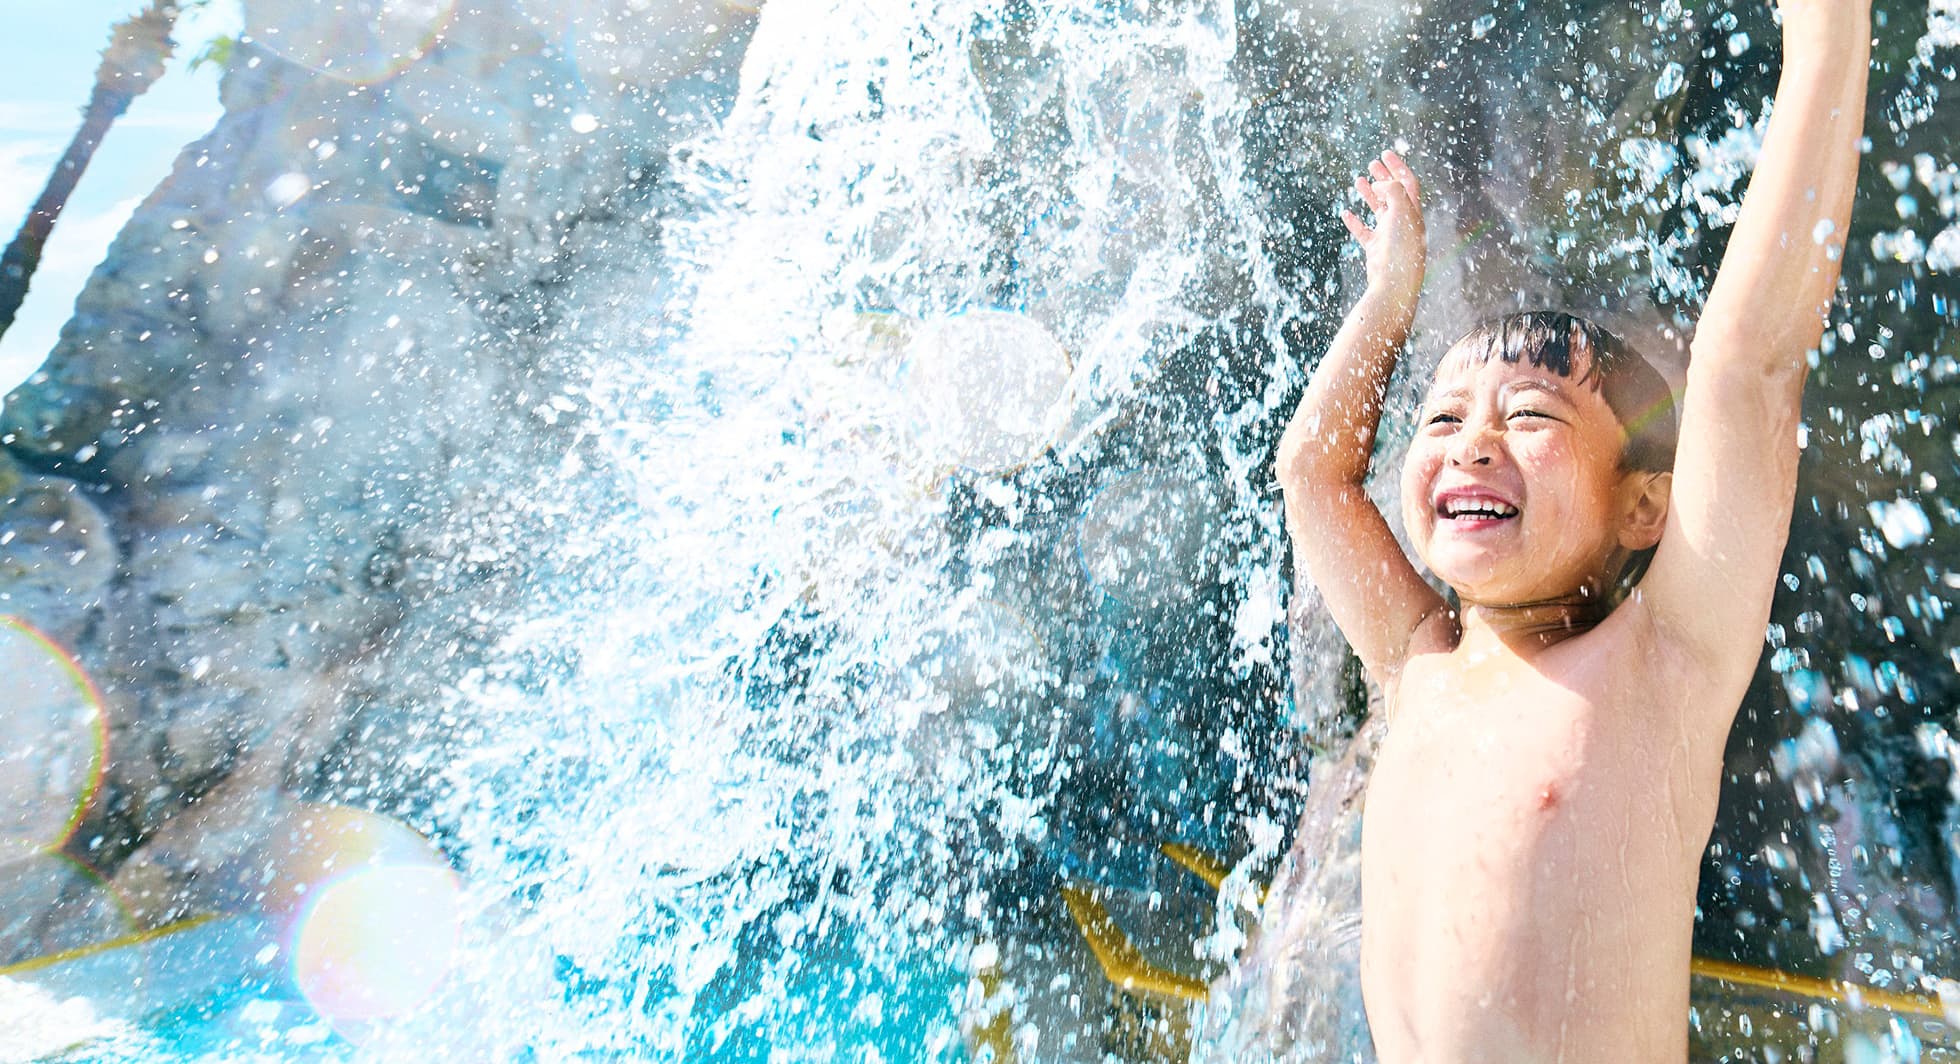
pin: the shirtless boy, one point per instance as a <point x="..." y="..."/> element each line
<point x="1536" y="818"/>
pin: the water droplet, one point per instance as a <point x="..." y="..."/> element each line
<point x="1902" y="522"/>
<point x="584" y="123"/>
<point x="287" y="189"/>
<point x="1671" y="80"/>
<point x="1738" y="43"/>
<point x="1483" y="25"/>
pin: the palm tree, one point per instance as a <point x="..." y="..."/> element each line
<point x="138" y="48"/>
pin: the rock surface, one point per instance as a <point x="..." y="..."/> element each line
<point x="257" y="486"/>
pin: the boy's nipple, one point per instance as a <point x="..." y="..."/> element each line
<point x="1547" y="796"/>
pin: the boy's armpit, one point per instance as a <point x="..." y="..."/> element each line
<point x="1735" y="472"/>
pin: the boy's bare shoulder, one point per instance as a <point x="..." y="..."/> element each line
<point x="1631" y="659"/>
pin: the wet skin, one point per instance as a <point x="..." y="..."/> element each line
<point x="1531" y="841"/>
<point x="1536" y="741"/>
<point x="1539" y="805"/>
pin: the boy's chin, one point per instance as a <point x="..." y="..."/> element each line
<point x="1483" y="587"/>
<point x="1495" y="590"/>
<point x="1472" y="577"/>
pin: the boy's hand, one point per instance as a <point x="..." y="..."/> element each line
<point x="1394" y="247"/>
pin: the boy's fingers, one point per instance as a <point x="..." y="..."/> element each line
<point x="1368" y="194"/>
<point x="1379" y="172"/>
<point x="1400" y="169"/>
<point x="1354" y="226"/>
<point x="1389" y="194"/>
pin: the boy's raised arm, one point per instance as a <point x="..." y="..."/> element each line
<point x="1714" y="572"/>
<point x="1339" y="537"/>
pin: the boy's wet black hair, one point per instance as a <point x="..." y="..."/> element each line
<point x="1633" y="389"/>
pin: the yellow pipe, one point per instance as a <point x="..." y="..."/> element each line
<point x="1119" y="957"/>
<point x="1199" y="863"/>
<point x="49" y="960"/>
<point x="994" y="1035"/>
<point x="1203" y="865"/>
<point x="1811" y="987"/>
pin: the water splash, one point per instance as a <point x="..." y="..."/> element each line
<point x="804" y="726"/>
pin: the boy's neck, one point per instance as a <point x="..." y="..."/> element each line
<point x="1531" y="625"/>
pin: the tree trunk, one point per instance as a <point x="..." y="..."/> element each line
<point x="138" y="48"/>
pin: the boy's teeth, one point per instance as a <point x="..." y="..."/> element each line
<point x="1479" y="508"/>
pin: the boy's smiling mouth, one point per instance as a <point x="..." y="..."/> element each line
<point x="1474" y="509"/>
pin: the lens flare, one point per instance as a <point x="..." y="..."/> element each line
<point x="377" y="943"/>
<point x="992" y="647"/>
<point x="361" y="41"/>
<point x="986" y="388"/>
<point x="55" y="734"/>
<point x="373" y="915"/>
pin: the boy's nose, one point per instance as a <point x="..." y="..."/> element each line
<point x="1473" y="447"/>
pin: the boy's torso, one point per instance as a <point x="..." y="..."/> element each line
<point x="1531" y="844"/>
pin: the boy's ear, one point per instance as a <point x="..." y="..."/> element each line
<point x="1646" y="498"/>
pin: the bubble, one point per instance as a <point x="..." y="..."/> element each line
<point x="1949" y="993"/>
<point x="372" y="914"/>
<point x="985" y="388"/>
<point x="1943" y="254"/>
<point x="362" y="41"/>
<point x="1652" y="159"/>
<point x="287" y="189"/>
<point x="55" y="735"/>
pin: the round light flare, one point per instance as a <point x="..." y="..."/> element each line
<point x="360" y="41"/>
<point x="987" y="388"/>
<point x="55" y="734"/>
<point x="374" y="945"/>
<point x="373" y="915"/>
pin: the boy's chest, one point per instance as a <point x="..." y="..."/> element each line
<point x="1492" y="746"/>
<point x="1507" y="761"/>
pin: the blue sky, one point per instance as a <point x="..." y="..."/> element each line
<point x="47" y="67"/>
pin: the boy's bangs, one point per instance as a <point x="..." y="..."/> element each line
<point x="1544" y="340"/>
<point x="1551" y="340"/>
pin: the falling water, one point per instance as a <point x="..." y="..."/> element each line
<point x="903" y="545"/>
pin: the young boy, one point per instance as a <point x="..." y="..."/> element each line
<point x="1536" y="817"/>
